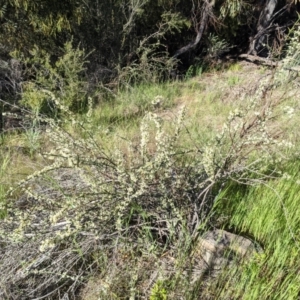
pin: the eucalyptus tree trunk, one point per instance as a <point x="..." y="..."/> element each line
<point x="259" y="42"/>
<point x="206" y="14"/>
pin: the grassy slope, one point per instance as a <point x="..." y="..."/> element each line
<point x="268" y="213"/>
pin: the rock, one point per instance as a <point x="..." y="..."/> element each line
<point x="217" y="249"/>
<point x="194" y="274"/>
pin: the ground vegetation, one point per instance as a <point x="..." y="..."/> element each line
<point x="114" y="169"/>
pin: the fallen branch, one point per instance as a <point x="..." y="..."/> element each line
<point x="259" y="60"/>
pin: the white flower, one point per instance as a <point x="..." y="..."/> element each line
<point x="158" y="100"/>
<point x="289" y="111"/>
<point x="286" y="176"/>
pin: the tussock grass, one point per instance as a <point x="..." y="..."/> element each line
<point x="132" y="103"/>
<point x="4" y="186"/>
<point x="270" y="214"/>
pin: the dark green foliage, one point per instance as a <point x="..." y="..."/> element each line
<point x="131" y="41"/>
<point x="119" y="30"/>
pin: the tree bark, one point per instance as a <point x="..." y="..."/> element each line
<point x="206" y="12"/>
<point x="258" y="45"/>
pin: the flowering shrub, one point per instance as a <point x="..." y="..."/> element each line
<point x="90" y="207"/>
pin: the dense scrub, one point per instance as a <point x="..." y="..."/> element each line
<point x="136" y="41"/>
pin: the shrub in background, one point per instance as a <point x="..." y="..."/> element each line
<point x="64" y="78"/>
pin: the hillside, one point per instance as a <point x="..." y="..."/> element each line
<point x="181" y="190"/>
<point x="149" y="149"/>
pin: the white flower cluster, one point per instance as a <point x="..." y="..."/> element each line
<point x="290" y="111"/>
<point x="158" y="101"/>
<point x="290" y="66"/>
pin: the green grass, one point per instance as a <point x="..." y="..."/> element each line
<point x="233" y="80"/>
<point x="270" y="214"/>
<point x="4" y="185"/>
<point x="235" y="67"/>
<point x="130" y="104"/>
